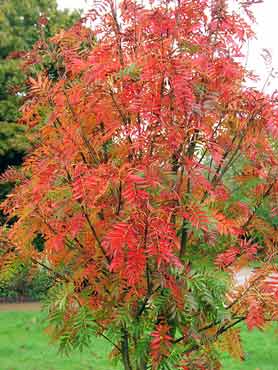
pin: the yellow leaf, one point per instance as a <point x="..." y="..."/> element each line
<point x="230" y="342"/>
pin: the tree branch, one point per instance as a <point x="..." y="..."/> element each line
<point x="55" y="273"/>
<point x="83" y="136"/>
<point x="119" y="199"/>
<point x="259" y="205"/>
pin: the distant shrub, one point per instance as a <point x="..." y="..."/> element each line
<point x="23" y="284"/>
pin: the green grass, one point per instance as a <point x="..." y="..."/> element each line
<point x="260" y="349"/>
<point x="24" y="346"/>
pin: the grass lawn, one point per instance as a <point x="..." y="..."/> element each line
<point x="23" y="346"/>
<point x="261" y="351"/>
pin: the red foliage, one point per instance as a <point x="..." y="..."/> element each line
<point x="150" y="154"/>
<point x="255" y="316"/>
<point x="161" y="343"/>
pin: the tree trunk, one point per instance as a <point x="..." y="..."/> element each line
<point x="125" y="353"/>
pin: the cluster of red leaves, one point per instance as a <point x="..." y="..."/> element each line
<point x="255" y="317"/>
<point x="160" y="343"/>
<point x="245" y="248"/>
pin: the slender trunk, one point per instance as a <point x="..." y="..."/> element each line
<point x="184" y="234"/>
<point x="142" y="366"/>
<point x="124" y="350"/>
<point x="183" y="240"/>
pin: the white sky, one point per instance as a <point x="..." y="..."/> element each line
<point x="266" y="30"/>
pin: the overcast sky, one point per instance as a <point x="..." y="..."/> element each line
<point x="266" y="30"/>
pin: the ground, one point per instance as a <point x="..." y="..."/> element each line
<point x="24" y="345"/>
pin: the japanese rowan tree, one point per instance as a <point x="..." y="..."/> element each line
<point x="153" y="174"/>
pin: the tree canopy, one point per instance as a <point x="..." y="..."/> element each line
<point x="153" y="174"/>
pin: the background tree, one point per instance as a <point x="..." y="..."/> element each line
<point x="153" y="172"/>
<point x="19" y="30"/>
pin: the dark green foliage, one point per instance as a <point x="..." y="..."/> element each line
<point x="10" y="77"/>
<point x="19" y="23"/>
<point x="20" y="284"/>
<point x="19" y="30"/>
<point x="13" y="144"/>
<point x="39" y="242"/>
